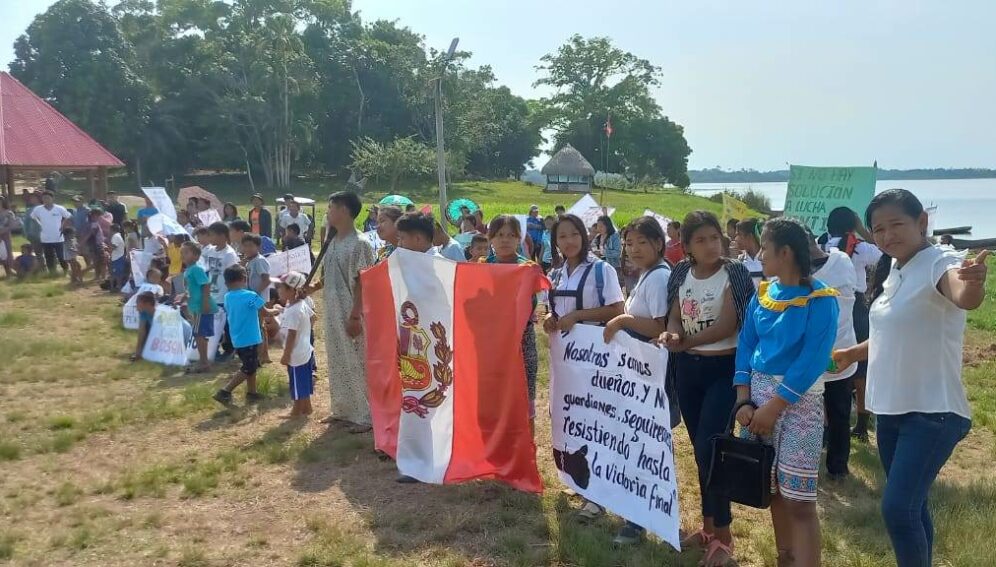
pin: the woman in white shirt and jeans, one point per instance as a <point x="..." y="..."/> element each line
<point x="914" y="354"/>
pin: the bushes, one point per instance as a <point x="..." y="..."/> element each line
<point x="753" y="199"/>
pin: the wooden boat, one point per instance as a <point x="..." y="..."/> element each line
<point x="953" y="230"/>
<point x="978" y="243"/>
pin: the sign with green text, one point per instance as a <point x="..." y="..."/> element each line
<point x="815" y="191"/>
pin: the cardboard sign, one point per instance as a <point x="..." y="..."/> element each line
<point x="293" y="260"/>
<point x="166" y="343"/>
<point x="611" y="426"/>
<point x="209" y="217"/>
<point x="161" y="224"/>
<point x="160" y="200"/>
<point x="815" y="191"/>
<point x="129" y="314"/>
<point x="140" y="261"/>
<point x="661" y="220"/>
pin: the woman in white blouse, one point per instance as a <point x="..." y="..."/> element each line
<point x="914" y="353"/>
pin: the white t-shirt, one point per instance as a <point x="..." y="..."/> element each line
<point x="915" y="341"/>
<point x="297" y="317"/>
<point x="865" y="256"/>
<point x="838" y="273"/>
<point x="301" y="220"/>
<point x="156" y="289"/>
<point x="50" y="221"/>
<point x="649" y="298"/>
<point x="118" y="247"/>
<point x="611" y="291"/>
<point x="214" y="262"/>
<point x="452" y="250"/>
<point x="701" y="304"/>
<point x="755" y="268"/>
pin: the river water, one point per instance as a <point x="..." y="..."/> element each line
<point x="960" y="202"/>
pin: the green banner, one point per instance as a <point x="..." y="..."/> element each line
<point x="815" y="191"/>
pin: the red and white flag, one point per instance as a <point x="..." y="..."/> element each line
<point x="445" y="373"/>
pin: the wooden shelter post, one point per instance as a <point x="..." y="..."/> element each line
<point x="91" y="180"/>
<point x="102" y="183"/>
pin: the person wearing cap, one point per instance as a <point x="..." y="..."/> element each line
<point x="259" y="218"/>
<point x="299" y="353"/>
<point x="534" y="230"/>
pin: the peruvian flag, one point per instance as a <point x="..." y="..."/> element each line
<point x="608" y="126"/>
<point x="445" y="374"/>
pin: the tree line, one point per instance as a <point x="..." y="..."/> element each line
<point x="275" y="86"/>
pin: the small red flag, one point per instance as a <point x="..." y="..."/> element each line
<point x="608" y="126"/>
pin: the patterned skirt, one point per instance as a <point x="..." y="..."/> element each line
<point x="531" y="357"/>
<point x="797" y="438"/>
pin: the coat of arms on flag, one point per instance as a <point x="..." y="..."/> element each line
<point x="445" y="372"/>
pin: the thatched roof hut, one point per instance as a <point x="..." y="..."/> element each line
<point x="569" y="171"/>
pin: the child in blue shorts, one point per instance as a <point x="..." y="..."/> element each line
<point x="299" y="354"/>
<point x="244" y="308"/>
<point x="200" y="304"/>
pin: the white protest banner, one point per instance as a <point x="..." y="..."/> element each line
<point x="661" y="220"/>
<point x="583" y="205"/>
<point x="209" y="217"/>
<point x="129" y="313"/>
<point x="162" y="224"/>
<point x="140" y="261"/>
<point x="160" y="199"/>
<point x="166" y="343"/>
<point x="523" y="223"/>
<point x="296" y="260"/>
<point x="611" y="426"/>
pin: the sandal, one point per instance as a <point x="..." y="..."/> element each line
<point x="715" y="546"/>
<point x="590" y="511"/>
<point x="696" y="540"/>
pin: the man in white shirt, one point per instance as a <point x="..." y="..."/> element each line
<point x="50" y="217"/>
<point x="293" y="215"/>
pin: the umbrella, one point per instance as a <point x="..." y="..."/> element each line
<point x="188" y="193"/>
<point x="453" y="209"/>
<point x="396" y="201"/>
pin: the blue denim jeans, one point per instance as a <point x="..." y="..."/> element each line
<point x="913" y="448"/>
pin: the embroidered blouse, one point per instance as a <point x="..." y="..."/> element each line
<point x="788" y="331"/>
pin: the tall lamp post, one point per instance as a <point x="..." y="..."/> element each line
<point x="440" y="151"/>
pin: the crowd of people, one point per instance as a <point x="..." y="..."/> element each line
<point x="762" y="319"/>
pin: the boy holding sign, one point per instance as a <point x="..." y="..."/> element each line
<point x="200" y="304"/>
<point x="146" y="305"/>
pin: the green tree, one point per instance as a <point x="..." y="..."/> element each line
<point x="74" y="56"/>
<point x="592" y="81"/>
<point x="402" y="158"/>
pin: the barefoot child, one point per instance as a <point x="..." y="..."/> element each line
<point x="200" y="304"/>
<point x="299" y="355"/>
<point x="70" y="252"/>
<point x="146" y="305"/>
<point x="243" y="308"/>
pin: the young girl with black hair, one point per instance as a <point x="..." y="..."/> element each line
<point x="505" y="236"/>
<point x="646" y="306"/>
<point x="914" y="353"/>
<point x="749" y="242"/>
<point x="707" y="295"/>
<point x="576" y="296"/>
<point x="843" y="231"/>
<point x="785" y="345"/>
<point x="387" y="231"/>
<point x="607" y="243"/>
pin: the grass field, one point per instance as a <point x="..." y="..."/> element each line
<point x="107" y="463"/>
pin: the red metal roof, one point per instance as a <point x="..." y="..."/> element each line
<point x="36" y="135"/>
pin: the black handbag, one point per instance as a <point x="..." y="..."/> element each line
<point x="741" y="469"/>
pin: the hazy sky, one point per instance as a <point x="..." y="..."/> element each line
<point x="755" y="84"/>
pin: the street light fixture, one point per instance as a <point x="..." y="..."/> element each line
<point x="440" y="152"/>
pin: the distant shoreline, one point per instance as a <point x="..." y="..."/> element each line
<point x="752" y="176"/>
